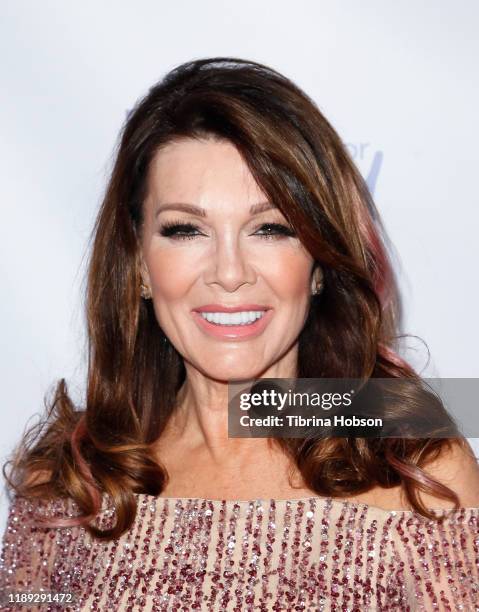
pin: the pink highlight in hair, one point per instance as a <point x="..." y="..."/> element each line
<point x="383" y="277"/>
<point x="394" y="358"/>
<point x="79" y="432"/>
<point x="382" y="273"/>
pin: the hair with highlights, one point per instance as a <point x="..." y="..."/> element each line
<point x="134" y="372"/>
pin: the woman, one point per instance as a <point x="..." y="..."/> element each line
<point x="231" y="192"/>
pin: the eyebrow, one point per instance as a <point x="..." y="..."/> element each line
<point x="192" y="209"/>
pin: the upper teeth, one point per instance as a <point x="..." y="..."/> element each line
<point x="232" y="318"/>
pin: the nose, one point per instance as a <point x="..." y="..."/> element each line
<point x="230" y="266"/>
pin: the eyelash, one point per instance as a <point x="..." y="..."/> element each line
<point x="170" y="229"/>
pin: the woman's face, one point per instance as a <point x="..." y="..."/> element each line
<point x="219" y="254"/>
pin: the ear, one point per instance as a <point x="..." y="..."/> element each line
<point x="317" y="273"/>
<point x="144" y="274"/>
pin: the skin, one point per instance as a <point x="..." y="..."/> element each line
<point x="228" y="261"/>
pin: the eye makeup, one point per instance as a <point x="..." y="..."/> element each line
<point x="181" y="230"/>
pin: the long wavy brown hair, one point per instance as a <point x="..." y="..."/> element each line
<point x="134" y="372"/>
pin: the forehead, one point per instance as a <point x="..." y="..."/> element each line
<point x="201" y="171"/>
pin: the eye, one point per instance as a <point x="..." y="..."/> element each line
<point x="178" y="230"/>
<point x="275" y="231"/>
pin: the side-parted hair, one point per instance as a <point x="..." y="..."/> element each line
<point x="134" y="372"/>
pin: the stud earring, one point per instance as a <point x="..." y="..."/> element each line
<point x="145" y="292"/>
<point x="317" y="288"/>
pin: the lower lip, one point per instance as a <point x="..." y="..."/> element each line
<point x="234" y="332"/>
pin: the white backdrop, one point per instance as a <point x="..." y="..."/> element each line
<point x="398" y="80"/>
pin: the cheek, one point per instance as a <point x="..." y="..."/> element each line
<point x="170" y="274"/>
<point x="288" y="272"/>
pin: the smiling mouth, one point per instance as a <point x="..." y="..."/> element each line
<point x="240" y="325"/>
<point x="234" y="318"/>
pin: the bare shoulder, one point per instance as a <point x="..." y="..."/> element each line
<point x="456" y="467"/>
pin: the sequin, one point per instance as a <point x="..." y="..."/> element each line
<point x="312" y="554"/>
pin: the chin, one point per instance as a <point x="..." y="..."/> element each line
<point x="238" y="372"/>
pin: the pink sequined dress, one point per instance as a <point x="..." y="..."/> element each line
<point x="197" y="554"/>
